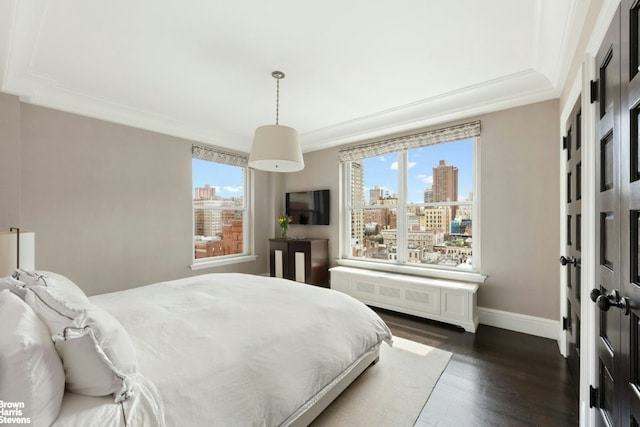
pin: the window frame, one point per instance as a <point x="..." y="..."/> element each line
<point x="402" y="265"/>
<point x="229" y="159"/>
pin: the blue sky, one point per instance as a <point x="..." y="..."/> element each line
<point x="226" y="179"/>
<point x="381" y="171"/>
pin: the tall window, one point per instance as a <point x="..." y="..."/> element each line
<point x="411" y="200"/>
<point x="220" y="204"/>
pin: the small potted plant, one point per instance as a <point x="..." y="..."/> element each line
<point x="284" y="221"/>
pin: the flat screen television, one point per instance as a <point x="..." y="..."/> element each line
<point x="308" y="207"/>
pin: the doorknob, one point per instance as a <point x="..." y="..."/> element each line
<point x="613" y="299"/>
<point x="568" y="260"/>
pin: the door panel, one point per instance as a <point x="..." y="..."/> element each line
<point x="630" y="203"/>
<point x="608" y="61"/>
<point x="571" y="258"/>
<point x="618" y="205"/>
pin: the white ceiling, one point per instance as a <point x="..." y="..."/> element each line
<point x="355" y="69"/>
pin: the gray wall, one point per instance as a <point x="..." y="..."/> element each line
<point x="519" y="207"/>
<point x="10" y="160"/>
<point x="110" y="204"/>
<point x="320" y="172"/>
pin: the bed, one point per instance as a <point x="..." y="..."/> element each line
<point x="224" y="349"/>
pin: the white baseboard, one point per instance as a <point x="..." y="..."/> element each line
<point x="531" y="325"/>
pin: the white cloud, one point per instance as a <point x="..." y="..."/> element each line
<point x="426" y="179"/>
<point x="411" y="164"/>
<point x="229" y="189"/>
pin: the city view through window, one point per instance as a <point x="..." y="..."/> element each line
<point x="218" y="208"/>
<point x="437" y="205"/>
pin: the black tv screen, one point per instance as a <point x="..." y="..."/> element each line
<point x="308" y="207"/>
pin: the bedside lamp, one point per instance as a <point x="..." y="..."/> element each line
<point x="17" y="250"/>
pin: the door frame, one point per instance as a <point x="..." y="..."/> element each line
<point x="587" y="71"/>
<point x="565" y="115"/>
<point x="588" y="355"/>
<point x="589" y="361"/>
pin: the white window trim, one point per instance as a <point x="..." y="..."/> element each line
<point x="477" y="238"/>
<point x="432" y="272"/>
<point x="401" y="212"/>
<point x="474" y="275"/>
<point x="220" y="261"/>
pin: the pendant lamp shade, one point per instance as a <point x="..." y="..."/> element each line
<point x="276" y="149"/>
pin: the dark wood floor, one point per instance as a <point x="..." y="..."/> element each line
<point x="495" y="377"/>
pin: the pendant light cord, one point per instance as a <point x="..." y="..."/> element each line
<point x="277" y="75"/>
<point x="277" y="98"/>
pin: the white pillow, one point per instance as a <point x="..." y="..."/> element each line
<point x="13" y="285"/>
<point x="30" y="370"/>
<point x="98" y="356"/>
<point x="66" y="294"/>
<point x="96" y="351"/>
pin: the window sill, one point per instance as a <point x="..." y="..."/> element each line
<point x="200" y="265"/>
<point x="462" y="276"/>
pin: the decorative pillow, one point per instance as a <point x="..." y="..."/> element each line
<point x="30" y="370"/>
<point x="96" y="351"/>
<point x="13" y="285"/>
<point x="98" y="355"/>
<point x="64" y="293"/>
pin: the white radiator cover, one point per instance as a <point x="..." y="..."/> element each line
<point x="443" y="300"/>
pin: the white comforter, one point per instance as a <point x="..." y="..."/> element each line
<point x="241" y="350"/>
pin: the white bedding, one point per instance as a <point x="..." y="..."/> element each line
<point x="142" y="409"/>
<point x="240" y="350"/>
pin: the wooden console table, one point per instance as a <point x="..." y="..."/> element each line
<point x="302" y="260"/>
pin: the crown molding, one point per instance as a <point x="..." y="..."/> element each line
<point x="510" y="91"/>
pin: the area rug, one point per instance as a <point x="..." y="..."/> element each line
<point x="391" y="392"/>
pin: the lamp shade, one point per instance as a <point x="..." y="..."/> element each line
<point x="276" y="149"/>
<point x="9" y="251"/>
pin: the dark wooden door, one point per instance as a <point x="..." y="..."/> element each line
<point x="609" y="340"/>
<point x="571" y="259"/>
<point x="618" y="205"/>
<point x="630" y="208"/>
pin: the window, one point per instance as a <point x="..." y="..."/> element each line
<point x="410" y="201"/>
<point x="220" y="206"/>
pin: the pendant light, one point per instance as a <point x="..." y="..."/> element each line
<point x="276" y="147"/>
